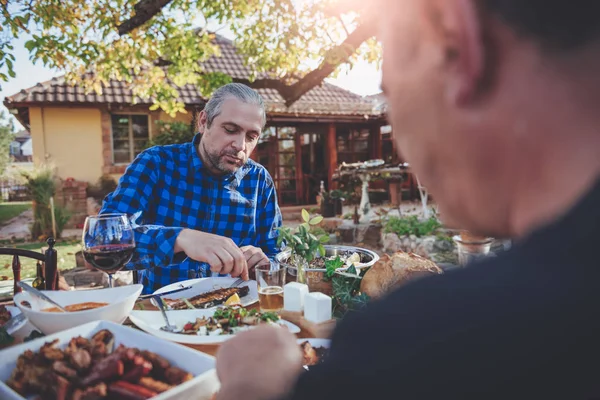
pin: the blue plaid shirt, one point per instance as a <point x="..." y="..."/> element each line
<point x="167" y="189"/>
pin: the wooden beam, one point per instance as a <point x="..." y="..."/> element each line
<point x="376" y="151"/>
<point x="332" y="155"/>
<point x="300" y="195"/>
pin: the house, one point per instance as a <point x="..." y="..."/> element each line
<point x="89" y="135"/>
<point x="21" y="148"/>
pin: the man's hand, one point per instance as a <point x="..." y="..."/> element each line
<point x="221" y="253"/>
<point x="262" y="363"/>
<point x="254" y="256"/>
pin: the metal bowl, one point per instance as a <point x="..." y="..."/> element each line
<point x="367" y="257"/>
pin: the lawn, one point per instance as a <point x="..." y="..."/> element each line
<point x="66" y="258"/>
<point x="11" y="210"/>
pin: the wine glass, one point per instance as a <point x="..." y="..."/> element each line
<point x="108" y="242"/>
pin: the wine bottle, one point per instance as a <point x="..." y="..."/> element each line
<point x="39" y="283"/>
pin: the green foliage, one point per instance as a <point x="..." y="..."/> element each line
<point x="335" y="194"/>
<point x="332" y="265"/>
<point x="42" y="186"/>
<point x="350" y="187"/>
<point x="444" y="238"/>
<point x="105" y="185"/>
<point x="172" y="132"/>
<point x="346" y="292"/>
<point x="411" y="226"/>
<point x="303" y="241"/>
<point x="7" y="129"/>
<point x="279" y="37"/>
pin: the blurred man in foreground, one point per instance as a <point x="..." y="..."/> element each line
<point x="494" y="103"/>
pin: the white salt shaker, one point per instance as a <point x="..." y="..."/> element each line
<point x="293" y="296"/>
<point x="317" y="307"/>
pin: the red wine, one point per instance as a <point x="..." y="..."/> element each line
<point x="109" y="258"/>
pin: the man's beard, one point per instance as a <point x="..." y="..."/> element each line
<point x="218" y="163"/>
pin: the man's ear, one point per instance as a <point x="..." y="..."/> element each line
<point x="465" y="52"/>
<point x="202" y="122"/>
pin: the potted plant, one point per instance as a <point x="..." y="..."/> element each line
<point x="303" y="243"/>
<point x="337" y="197"/>
<point x="327" y="205"/>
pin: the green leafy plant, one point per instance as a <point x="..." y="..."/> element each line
<point x="172" y="132"/>
<point x="304" y="242"/>
<point x="411" y="226"/>
<point x="105" y="185"/>
<point x="346" y="292"/>
<point x="41" y="184"/>
<point x="332" y="265"/>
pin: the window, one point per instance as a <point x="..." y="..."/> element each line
<point x="130" y="133"/>
<point x="388" y="149"/>
<point x="353" y="145"/>
<point x="276" y="150"/>
<point x="15" y="149"/>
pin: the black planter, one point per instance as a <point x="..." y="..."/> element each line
<point x="327" y="209"/>
<point x="337" y="207"/>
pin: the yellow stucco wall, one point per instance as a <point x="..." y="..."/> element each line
<point x="180" y="117"/>
<point x="70" y="139"/>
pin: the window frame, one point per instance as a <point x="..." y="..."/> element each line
<point x="130" y="135"/>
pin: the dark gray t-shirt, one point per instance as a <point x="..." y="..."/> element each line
<point x="525" y="324"/>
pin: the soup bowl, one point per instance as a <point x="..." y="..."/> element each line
<point x="119" y="303"/>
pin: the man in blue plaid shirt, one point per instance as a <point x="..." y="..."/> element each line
<point x="203" y="206"/>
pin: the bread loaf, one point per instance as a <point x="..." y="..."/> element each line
<point x="392" y="272"/>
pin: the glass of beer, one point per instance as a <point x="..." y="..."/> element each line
<point x="270" y="280"/>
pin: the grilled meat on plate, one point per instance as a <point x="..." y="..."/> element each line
<point x="208" y="299"/>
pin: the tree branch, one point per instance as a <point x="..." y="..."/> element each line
<point x="333" y="58"/>
<point x="340" y="54"/>
<point x="145" y="10"/>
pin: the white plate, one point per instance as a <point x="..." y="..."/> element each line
<point x="203" y="285"/>
<point x="151" y="321"/>
<point x="200" y="365"/>
<point x="14" y="311"/>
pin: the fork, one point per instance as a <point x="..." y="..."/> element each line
<point x="236" y="283"/>
<point x="168" y="327"/>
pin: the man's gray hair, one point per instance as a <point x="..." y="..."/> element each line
<point x="232" y="90"/>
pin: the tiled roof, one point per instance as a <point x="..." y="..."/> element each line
<point x="326" y="99"/>
<point x="379" y="101"/>
<point x="23" y="134"/>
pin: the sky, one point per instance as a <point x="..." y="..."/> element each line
<point x="363" y="79"/>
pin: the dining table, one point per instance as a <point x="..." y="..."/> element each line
<point x="307" y="328"/>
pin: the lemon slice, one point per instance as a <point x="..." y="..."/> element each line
<point x="235" y="299"/>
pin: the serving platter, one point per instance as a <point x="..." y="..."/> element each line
<point x="203" y="385"/>
<point x="152" y="321"/>
<point x="204" y="285"/>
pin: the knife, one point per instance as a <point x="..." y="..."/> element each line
<point x="14" y="321"/>
<point x="147" y="296"/>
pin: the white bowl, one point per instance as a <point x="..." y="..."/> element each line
<point x="204" y="384"/>
<point x="121" y="301"/>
